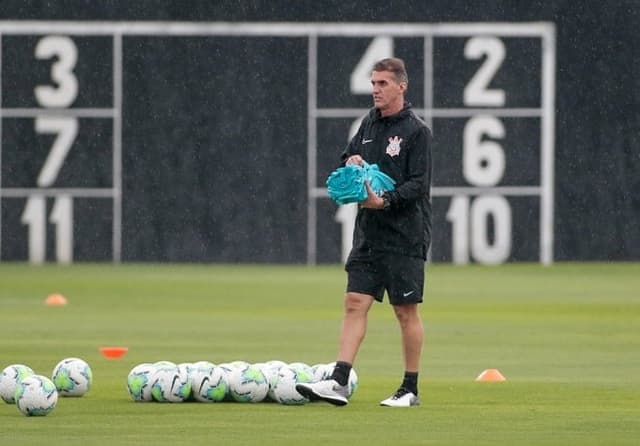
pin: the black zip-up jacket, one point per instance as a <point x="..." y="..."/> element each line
<point x="400" y="146"/>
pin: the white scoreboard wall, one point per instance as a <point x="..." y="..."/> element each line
<point x="69" y="179"/>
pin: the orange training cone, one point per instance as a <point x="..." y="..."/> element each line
<point x="113" y="352"/>
<point x="55" y="300"/>
<point x="491" y="375"/>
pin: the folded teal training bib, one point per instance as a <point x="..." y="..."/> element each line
<point x="347" y="184"/>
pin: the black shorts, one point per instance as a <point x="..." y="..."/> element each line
<point x="373" y="273"/>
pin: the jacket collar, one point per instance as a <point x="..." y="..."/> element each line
<point x="401" y="114"/>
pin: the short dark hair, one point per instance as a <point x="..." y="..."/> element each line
<point x="394" y="65"/>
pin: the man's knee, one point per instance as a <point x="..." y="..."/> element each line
<point x="407" y="314"/>
<point x="357" y="302"/>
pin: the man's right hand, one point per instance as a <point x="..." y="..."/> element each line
<point x="355" y="159"/>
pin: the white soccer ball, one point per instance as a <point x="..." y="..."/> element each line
<point x="139" y="382"/>
<point x="228" y="370"/>
<point x="227" y="367"/>
<point x="239" y="364"/>
<point x="163" y="363"/>
<point x="209" y="384"/>
<point x="299" y="365"/>
<point x="188" y="368"/>
<point x="321" y="372"/>
<point x="247" y="384"/>
<point x="36" y="395"/>
<point x="274" y="364"/>
<point x="170" y="383"/>
<point x="72" y="377"/>
<point x="9" y="379"/>
<point x="353" y="382"/>
<point x="270" y="370"/>
<point x="304" y="372"/>
<point x="200" y="364"/>
<point x="284" y="386"/>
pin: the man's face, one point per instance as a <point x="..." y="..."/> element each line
<point x="387" y="92"/>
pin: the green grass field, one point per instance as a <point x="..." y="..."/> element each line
<point x="566" y="337"/>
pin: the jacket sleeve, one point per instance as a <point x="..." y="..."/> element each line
<point x="418" y="172"/>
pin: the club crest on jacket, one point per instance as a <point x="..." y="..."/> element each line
<point x="393" y="149"/>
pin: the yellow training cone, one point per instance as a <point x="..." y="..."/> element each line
<point x="491" y="375"/>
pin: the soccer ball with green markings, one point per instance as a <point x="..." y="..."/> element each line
<point x="270" y="370"/>
<point x="72" y="377"/>
<point x="139" y="382"/>
<point x="36" y="395"/>
<point x="284" y="385"/>
<point x="247" y="384"/>
<point x="9" y="380"/>
<point x="170" y="383"/>
<point x="209" y="383"/>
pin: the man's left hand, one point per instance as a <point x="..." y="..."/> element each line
<point x="372" y="201"/>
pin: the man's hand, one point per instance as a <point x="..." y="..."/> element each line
<point x="355" y="159"/>
<point x="372" y="201"/>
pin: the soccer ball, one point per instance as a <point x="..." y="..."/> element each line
<point x="9" y="379"/>
<point x="239" y="364"/>
<point x="321" y="372"/>
<point x="209" y="384"/>
<point x="201" y="364"/>
<point x="36" y="395"/>
<point x="284" y="386"/>
<point x="72" y="377"/>
<point x="270" y="370"/>
<point x="248" y="384"/>
<point x="227" y="367"/>
<point x="228" y="370"/>
<point x="273" y="364"/>
<point x="188" y="368"/>
<point x="169" y="383"/>
<point x="139" y="382"/>
<point x="303" y="370"/>
<point x="159" y="364"/>
<point x="353" y="382"/>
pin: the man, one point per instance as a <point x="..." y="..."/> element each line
<point x="391" y="236"/>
